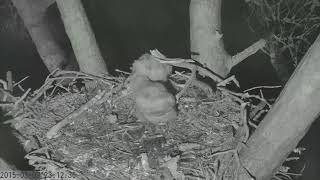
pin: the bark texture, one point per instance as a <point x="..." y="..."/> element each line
<point x="206" y="36"/>
<point x="81" y="36"/>
<point x="206" y="39"/>
<point x="288" y="121"/>
<point x="32" y="12"/>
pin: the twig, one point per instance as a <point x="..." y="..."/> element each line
<point x="246" y="95"/>
<point x="10" y="81"/>
<point x="121" y="71"/>
<point x="262" y="87"/>
<point x="245" y="121"/>
<point x="163" y="59"/>
<point x="195" y="82"/>
<point x="42" y="160"/>
<point x="43" y="88"/>
<point x="222" y="153"/>
<point x="261" y="94"/>
<point x="4" y="84"/>
<point x="21" y="88"/>
<point x="236" y="59"/>
<point x="236" y="96"/>
<point x="21" y="98"/>
<point x="252" y="124"/>
<point x="202" y="71"/>
<point x="19" y="82"/>
<point x="258" y="115"/>
<point x="188" y="83"/>
<point x="52" y="74"/>
<point x="6" y="104"/>
<point x="82" y="74"/>
<point x="40" y="91"/>
<point x="182" y="74"/>
<point x="185" y="63"/>
<point x="256" y="109"/>
<point x="174" y="60"/>
<point x="95" y="100"/>
<point x="72" y="77"/>
<point x="58" y="84"/>
<point x="64" y="88"/>
<point x="228" y="80"/>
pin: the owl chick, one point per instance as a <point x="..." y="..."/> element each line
<point x="154" y="102"/>
<point x="149" y="66"/>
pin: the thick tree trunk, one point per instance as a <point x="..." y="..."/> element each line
<point x="206" y="41"/>
<point x="206" y="36"/>
<point x="32" y="12"/>
<point x="288" y="121"/>
<point x="82" y="37"/>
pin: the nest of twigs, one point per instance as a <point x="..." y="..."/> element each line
<point x="87" y="129"/>
<point x="104" y="140"/>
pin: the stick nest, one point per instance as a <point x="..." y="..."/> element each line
<point x="103" y="139"/>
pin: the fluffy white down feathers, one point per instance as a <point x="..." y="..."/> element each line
<point x="148" y="66"/>
<point x="154" y="102"/>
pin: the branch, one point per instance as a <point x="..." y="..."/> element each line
<point x="10" y="81"/>
<point x="236" y="59"/>
<point x="163" y="59"/>
<point x="4" y="84"/>
<point x="16" y="103"/>
<point x="262" y="87"/>
<point x="228" y="80"/>
<point x="185" y="63"/>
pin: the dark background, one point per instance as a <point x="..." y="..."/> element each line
<point x="126" y="29"/>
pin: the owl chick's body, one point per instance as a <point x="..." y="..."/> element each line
<point x="154" y="102"/>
